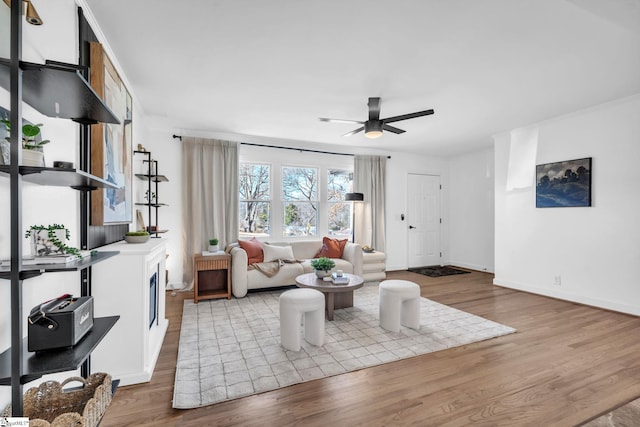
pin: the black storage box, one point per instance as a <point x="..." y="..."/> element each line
<point x="59" y="323"/>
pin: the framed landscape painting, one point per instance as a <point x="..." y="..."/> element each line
<point x="564" y="184"/>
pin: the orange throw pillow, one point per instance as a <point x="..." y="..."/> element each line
<point x="331" y="248"/>
<point x="253" y="248"/>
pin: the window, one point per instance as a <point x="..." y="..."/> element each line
<point x="255" y="199"/>
<point x="339" y="182"/>
<point x="299" y="201"/>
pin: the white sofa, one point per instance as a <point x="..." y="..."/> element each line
<point x="243" y="278"/>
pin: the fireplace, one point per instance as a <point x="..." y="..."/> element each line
<point x="153" y="299"/>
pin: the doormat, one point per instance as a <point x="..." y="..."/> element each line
<point x="437" y="271"/>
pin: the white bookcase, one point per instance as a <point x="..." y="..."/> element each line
<point x="124" y="284"/>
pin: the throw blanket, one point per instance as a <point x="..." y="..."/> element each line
<point x="271" y="268"/>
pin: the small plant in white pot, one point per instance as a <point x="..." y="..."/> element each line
<point x="32" y="152"/>
<point x="213" y="245"/>
<point x="50" y="240"/>
<point x="322" y="266"/>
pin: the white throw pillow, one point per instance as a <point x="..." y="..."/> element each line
<point x="274" y="253"/>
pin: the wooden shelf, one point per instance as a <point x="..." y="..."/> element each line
<point x="38" y="364"/>
<point x="29" y="271"/>
<point x="57" y="89"/>
<point x="60" y="177"/>
<point x="153" y="178"/>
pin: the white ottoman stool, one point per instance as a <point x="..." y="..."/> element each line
<point x="293" y="304"/>
<point x="399" y="304"/>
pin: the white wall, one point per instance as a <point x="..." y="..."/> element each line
<point x="594" y="250"/>
<point x="471" y="210"/>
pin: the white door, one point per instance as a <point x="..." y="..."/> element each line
<point x="423" y="220"/>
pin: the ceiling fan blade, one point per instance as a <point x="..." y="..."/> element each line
<point x="407" y="116"/>
<point x="323" y="119"/>
<point x="374" y="108"/>
<point x="392" y="129"/>
<point x="353" y="132"/>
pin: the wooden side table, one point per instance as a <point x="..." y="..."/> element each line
<point x="212" y="277"/>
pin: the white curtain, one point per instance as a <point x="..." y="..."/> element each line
<point x="209" y="197"/>
<point x="369" y="177"/>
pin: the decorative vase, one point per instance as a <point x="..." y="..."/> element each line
<point x="213" y="248"/>
<point x="136" y="239"/>
<point x="41" y="245"/>
<point x="322" y="274"/>
<point x="32" y="158"/>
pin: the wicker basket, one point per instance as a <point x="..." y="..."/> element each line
<point x="48" y="405"/>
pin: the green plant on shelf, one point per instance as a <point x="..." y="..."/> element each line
<point x="53" y="237"/>
<point x="213" y="241"/>
<point x="137" y="233"/>
<point x="29" y="135"/>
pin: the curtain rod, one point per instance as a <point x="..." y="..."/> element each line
<point x="287" y="148"/>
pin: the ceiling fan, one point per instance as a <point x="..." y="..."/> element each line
<point x="375" y="125"/>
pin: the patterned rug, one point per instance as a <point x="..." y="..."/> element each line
<point x="437" y="271"/>
<point x="231" y="348"/>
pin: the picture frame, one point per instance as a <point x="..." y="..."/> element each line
<point x="564" y="184"/>
<point x="111" y="144"/>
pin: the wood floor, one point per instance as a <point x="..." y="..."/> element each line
<point x="567" y="364"/>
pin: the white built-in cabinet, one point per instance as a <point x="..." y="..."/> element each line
<point x="124" y="284"/>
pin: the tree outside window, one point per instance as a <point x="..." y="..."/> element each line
<point x="339" y="182"/>
<point x="299" y="201"/>
<point x="255" y="199"/>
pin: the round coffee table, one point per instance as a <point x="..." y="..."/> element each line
<point x="335" y="296"/>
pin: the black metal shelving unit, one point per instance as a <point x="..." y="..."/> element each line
<point x="152" y="178"/>
<point x="56" y="90"/>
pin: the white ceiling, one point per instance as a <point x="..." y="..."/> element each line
<point x="271" y="68"/>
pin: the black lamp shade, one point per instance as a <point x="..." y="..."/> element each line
<point x="354" y="197"/>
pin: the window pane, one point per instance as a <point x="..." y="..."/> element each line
<point x="299" y="184"/>
<point x="340" y="219"/>
<point x="255" y="195"/>
<point x="255" y="180"/>
<point x="339" y="183"/>
<point x="300" y="219"/>
<point x="254" y="218"/>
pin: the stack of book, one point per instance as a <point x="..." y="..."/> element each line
<point x="50" y="259"/>
<point x="339" y="280"/>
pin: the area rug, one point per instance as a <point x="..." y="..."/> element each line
<point x="437" y="271"/>
<point x="231" y="348"/>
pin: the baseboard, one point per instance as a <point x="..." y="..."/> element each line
<point x="476" y="267"/>
<point x="593" y="302"/>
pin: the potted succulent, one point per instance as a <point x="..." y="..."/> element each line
<point x="136" y="237"/>
<point x="32" y="153"/>
<point x="213" y="245"/>
<point x="322" y="266"/>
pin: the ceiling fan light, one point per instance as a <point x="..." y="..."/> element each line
<point x="373" y="129"/>
<point x="373" y="134"/>
<point x="32" y="15"/>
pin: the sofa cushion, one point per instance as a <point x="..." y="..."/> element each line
<point x="253" y="248"/>
<point x="331" y="248"/>
<point x="274" y="253"/>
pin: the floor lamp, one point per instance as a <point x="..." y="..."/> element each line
<point x="353" y="197"/>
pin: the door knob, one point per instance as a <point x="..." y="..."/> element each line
<point x="411" y="227"/>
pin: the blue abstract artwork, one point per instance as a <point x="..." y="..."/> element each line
<point x="564" y="184"/>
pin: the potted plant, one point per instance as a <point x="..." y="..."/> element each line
<point x="50" y="240"/>
<point x="322" y="266"/>
<point x="136" y="237"/>
<point x="32" y="153"/>
<point x="213" y="245"/>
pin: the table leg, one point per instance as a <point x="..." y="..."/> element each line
<point x="329" y="301"/>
